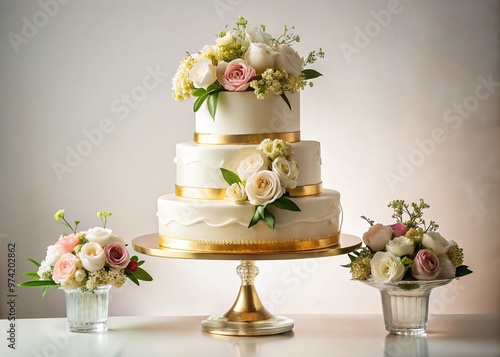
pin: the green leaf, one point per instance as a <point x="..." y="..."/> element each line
<point x="256" y="217"/>
<point x="198" y="92"/>
<point x="212" y="103"/>
<point x="286" y="204"/>
<point x="311" y="73"/>
<point x="44" y="291"/>
<point x="131" y="276"/>
<point x="283" y="95"/>
<point x="140" y="262"/>
<point x="34" y="262"/>
<point x="134" y="258"/>
<point x="141" y="274"/>
<point x="408" y="286"/>
<point x="32" y="275"/>
<point x="346" y="265"/>
<point x="462" y="270"/>
<point x="213" y="87"/>
<point x="199" y="101"/>
<point x="229" y="176"/>
<point x="38" y="283"/>
<point x="269" y="218"/>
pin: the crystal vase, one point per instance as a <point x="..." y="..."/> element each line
<point x="87" y="311"/>
<point x="405" y="304"/>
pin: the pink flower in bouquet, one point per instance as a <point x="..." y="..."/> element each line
<point x="425" y="265"/>
<point x="399" y="229"/>
<point x="68" y="243"/>
<point x="377" y="236"/>
<point x="235" y="75"/>
<point x="117" y="255"/>
<point x="64" y="268"/>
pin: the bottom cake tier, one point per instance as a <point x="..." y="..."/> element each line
<point x="222" y="225"/>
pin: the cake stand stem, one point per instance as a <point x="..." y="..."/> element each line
<point x="247" y="316"/>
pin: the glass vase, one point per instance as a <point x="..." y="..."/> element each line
<point x="405" y="304"/>
<point x="87" y="311"/>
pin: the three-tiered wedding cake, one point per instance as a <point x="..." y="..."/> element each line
<point x="205" y="214"/>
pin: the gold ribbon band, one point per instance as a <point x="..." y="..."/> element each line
<point x="307" y="190"/>
<point x="249" y="246"/>
<point x="220" y="193"/>
<point x="223" y="139"/>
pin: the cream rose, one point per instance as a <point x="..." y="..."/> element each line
<point x="260" y="56"/>
<point x="288" y="172"/>
<point x="435" y="242"/>
<point x="225" y="40"/>
<point x="377" y="236"/>
<point x="288" y="60"/>
<point x="255" y="161"/>
<point x="386" y="267"/>
<point x="202" y="74"/>
<point x="54" y="252"/>
<point x="80" y="275"/>
<point x="92" y="257"/>
<point x="257" y="35"/>
<point x="236" y="192"/>
<point x="102" y="236"/>
<point x="400" y="246"/>
<point x="264" y="188"/>
<point x="448" y="269"/>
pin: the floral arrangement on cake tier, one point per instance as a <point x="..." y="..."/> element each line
<point x="406" y="250"/>
<point x="86" y="260"/>
<point x="244" y="59"/>
<point x="263" y="178"/>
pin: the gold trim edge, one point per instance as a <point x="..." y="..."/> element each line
<point x="228" y="139"/>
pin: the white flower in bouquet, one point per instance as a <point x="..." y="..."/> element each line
<point x="202" y="74"/>
<point x="288" y="60"/>
<point x="377" y="236"/>
<point x="92" y="257"/>
<point x="287" y="171"/>
<point x="236" y="192"/>
<point x="254" y="162"/>
<point x="387" y="267"/>
<point x="260" y="56"/>
<point x="436" y="242"/>
<point x="102" y="236"/>
<point x="400" y="246"/>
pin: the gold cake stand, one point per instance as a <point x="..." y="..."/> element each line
<point x="247" y="316"/>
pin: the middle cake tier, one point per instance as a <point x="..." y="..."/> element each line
<point x="199" y="175"/>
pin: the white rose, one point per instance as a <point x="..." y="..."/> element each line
<point x="209" y="50"/>
<point x="80" y="275"/>
<point x="287" y="171"/>
<point x="386" y="267"/>
<point x="69" y="284"/>
<point x="258" y="36"/>
<point x="254" y="162"/>
<point x="400" y="246"/>
<point x="288" y="60"/>
<point x="260" y="56"/>
<point x="54" y="252"/>
<point x="227" y="39"/>
<point x="377" y="236"/>
<point x="448" y="269"/>
<point x="92" y="257"/>
<point x="435" y="242"/>
<point x="236" y="192"/>
<point x="264" y="188"/>
<point x="202" y="74"/>
<point x="102" y="236"/>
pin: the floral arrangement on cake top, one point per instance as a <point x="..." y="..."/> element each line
<point x="407" y="250"/>
<point x="244" y="59"/>
<point x="86" y="260"/>
<point x="263" y="178"/>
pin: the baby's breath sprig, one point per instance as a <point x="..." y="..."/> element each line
<point x="103" y="216"/>
<point x="415" y="212"/>
<point x="313" y="56"/>
<point x="59" y="215"/>
<point x="287" y="37"/>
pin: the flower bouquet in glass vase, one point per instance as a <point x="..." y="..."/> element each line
<point x="405" y="261"/>
<point x="86" y="265"/>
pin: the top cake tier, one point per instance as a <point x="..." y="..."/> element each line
<point x="241" y="118"/>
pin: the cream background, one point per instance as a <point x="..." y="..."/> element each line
<point x="369" y="110"/>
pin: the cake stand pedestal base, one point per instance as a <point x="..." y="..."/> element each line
<point x="247" y="316"/>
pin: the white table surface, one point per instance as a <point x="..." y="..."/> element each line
<point x="313" y="335"/>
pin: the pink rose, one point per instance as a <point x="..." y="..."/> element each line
<point x="425" y="265"/>
<point x="399" y="229"/>
<point x="64" y="268"/>
<point x="117" y="255"/>
<point x="377" y="236"/>
<point x="235" y="75"/>
<point x="68" y="243"/>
